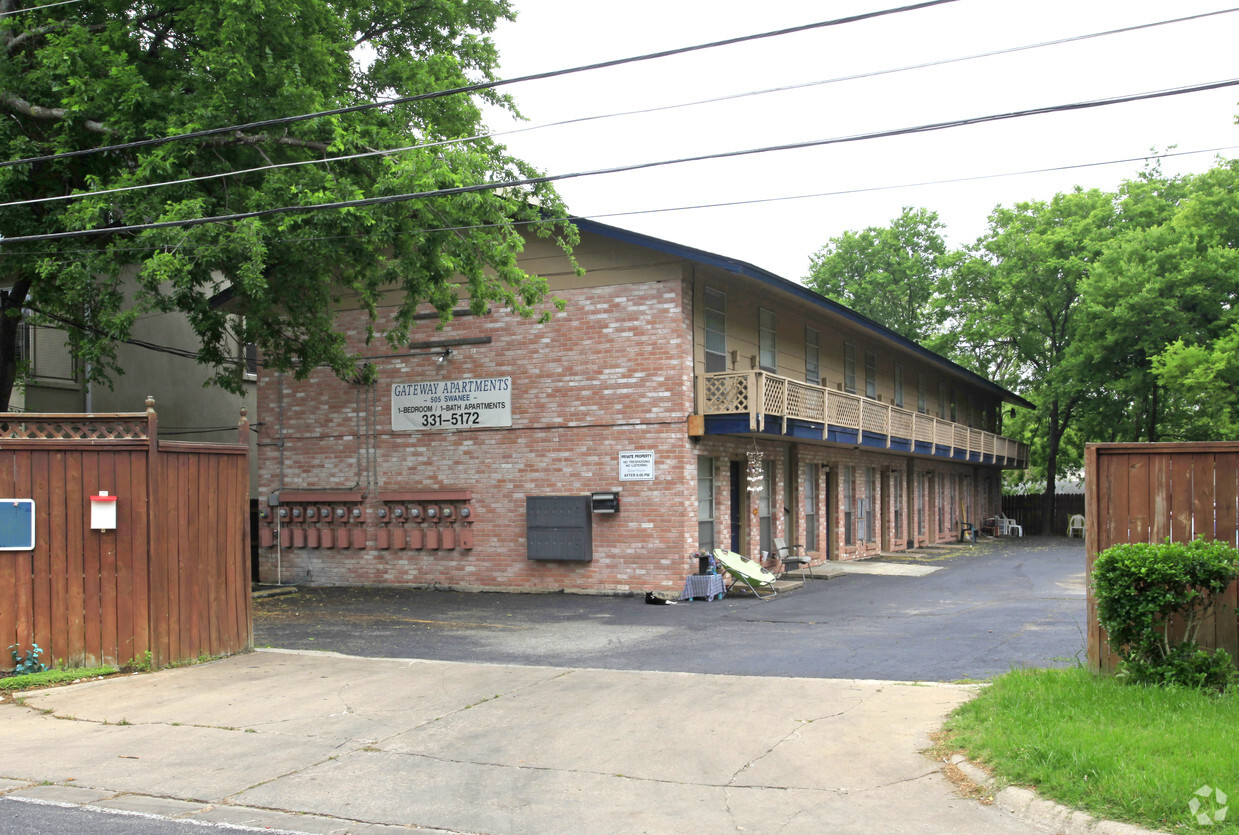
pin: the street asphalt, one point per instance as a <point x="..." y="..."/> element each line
<point x="555" y="713"/>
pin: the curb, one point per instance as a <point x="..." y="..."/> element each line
<point x="1024" y="803"/>
<point x="277" y="591"/>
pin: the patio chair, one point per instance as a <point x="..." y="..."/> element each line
<point x="792" y="557"/>
<point x="742" y="569"/>
<point x="1009" y="527"/>
<point x="1075" y="523"/>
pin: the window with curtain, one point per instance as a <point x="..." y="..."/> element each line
<point x="899" y="385"/>
<point x="849" y="368"/>
<point x="871" y="374"/>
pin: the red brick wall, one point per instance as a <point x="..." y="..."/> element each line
<point x="611" y="373"/>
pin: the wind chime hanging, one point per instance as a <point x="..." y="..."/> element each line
<point x="756" y="474"/>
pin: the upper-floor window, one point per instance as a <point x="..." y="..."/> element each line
<point x="812" y="358"/>
<point x="849" y="367"/>
<point x="941" y="400"/>
<point x="250" y="351"/>
<point x="46" y="350"/>
<point x="766" y="348"/>
<point x="716" y="330"/>
<point x="899" y="385"/>
<point x="920" y="394"/>
<point x="871" y="374"/>
<point x="954" y="404"/>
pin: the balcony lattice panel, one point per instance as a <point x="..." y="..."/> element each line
<point x="727" y="394"/>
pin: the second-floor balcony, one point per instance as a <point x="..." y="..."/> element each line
<point x="733" y="402"/>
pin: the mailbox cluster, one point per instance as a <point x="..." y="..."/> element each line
<point x="424" y="520"/>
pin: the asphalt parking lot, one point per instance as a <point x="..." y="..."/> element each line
<point x="984" y="610"/>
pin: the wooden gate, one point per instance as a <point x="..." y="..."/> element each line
<point x="1155" y="492"/>
<point x="172" y="579"/>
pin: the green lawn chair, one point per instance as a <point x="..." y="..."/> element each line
<point x="744" y="569"/>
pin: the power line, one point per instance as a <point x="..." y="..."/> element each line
<point x="528" y="181"/>
<point x="692" y="207"/>
<point x="598" y="117"/>
<point x="472" y="88"/>
<point x="36" y="8"/>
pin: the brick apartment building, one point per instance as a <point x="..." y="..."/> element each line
<point x="681" y="400"/>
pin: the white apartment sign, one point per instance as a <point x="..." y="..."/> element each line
<point x="451" y="404"/>
<point x="636" y="466"/>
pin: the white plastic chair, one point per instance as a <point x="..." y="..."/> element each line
<point x="1009" y="527"/>
<point x="1075" y="523"/>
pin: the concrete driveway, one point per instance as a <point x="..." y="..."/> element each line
<point x="961" y="614"/>
<point x="308" y="742"/>
<point x="555" y="713"/>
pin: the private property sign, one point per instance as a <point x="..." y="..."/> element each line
<point x="636" y="466"/>
<point x="451" y="404"/>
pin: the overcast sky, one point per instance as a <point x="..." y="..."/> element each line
<point x="781" y="235"/>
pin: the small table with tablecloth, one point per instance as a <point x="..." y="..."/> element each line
<point x="703" y="586"/>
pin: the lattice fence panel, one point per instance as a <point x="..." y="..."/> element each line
<point x="119" y="429"/>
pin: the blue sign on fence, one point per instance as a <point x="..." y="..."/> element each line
<point x="16" y="524"/>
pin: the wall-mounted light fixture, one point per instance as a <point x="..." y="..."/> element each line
<point x="447" y="352"/>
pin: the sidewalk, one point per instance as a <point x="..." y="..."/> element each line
<point x="317" y="742"/>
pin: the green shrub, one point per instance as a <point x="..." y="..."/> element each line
<point x="1148" y="594"/>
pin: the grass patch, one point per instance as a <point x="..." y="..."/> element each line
<point x="1118" y="751"/>
<point x="49" y="677"/>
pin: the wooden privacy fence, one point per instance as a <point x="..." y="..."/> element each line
<point x="1155" y="492"/>
<point x="1029" y="511"/>
<point x="172" y="578"/>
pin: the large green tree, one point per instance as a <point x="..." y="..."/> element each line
<point x="111" y="72"/>
<point x="892" y="274"/>
<point x="1020" y="297"/>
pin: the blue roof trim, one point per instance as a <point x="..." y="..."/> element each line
<point x="743" y="268"/>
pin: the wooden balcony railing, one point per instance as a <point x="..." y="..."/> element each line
<point x="763" y="396"/>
